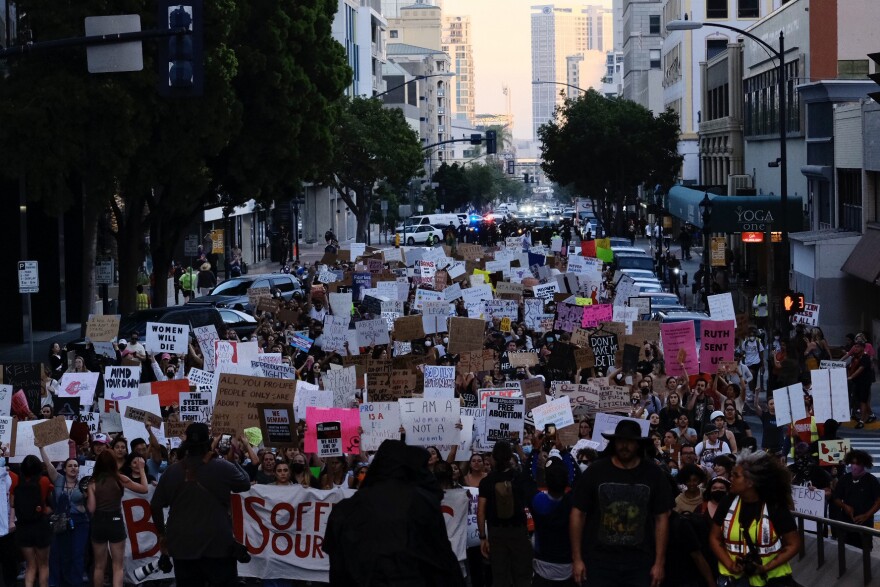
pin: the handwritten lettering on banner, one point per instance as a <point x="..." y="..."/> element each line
<point x="430" y="422"/>
<point x="595" y="314"/>
<point x="342" y="383"/>
<point x="557" y="412"/>
<point x="372" y="332"/>
<point x="335" y="332"/>
<point x="380" y="421"/>
<point x="439" y="382"/>
<point x="238" y="395"/>
<point x="205" y="336"/>
<point x="102" y="328"/>
<point x="121" y="382"/>
<point x="679" y="347"/>
<point x="716" y="344"/>
<point x="568" y="317"/>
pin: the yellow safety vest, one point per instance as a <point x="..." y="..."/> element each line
<point x="143" y="302"/>
<point x="763" y="536"/>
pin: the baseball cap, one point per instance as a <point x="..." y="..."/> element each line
<point x="122" y="341"/>
<point x="165" y="356"/>
<point x="100" y="439"/>
<point x="716" y="414"/>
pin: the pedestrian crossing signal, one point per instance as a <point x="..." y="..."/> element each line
<point x="794" y="303"/>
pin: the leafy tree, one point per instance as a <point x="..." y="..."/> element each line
<point x="453" y="185"/>
<point x="606" y="148"/>
<point x="373" y="144"/>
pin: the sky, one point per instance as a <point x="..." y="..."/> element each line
<point x="503" y="54"/>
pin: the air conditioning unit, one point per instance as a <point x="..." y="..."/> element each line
<point x="740" y="185"/>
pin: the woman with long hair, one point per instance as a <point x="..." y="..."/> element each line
<point x="67" y="555"/>
<point x="33" y="534"/>
<point x="753" y="534"/>
<point x="104" y="502"/>
<point x="300" y="473"/>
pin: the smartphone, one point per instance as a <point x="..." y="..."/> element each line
<point x="550" y="429"/>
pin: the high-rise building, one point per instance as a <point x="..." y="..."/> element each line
<point x="360" y="28"/>
<point x="456" y="41"/>
<point x="641" y="45"/>
<point x="417" y="24"/>
<point x="564" y="39"/>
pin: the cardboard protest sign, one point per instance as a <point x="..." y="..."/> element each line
<point x="523" y="359"/>
<point x="81" y="385"/>
<point x="24" y="440"/>
<point x="167" y="338"/>
<point x="646" y="331"/>
<point x="51" y="431"/>
<point x="789" y="403"/>
<point x="121" y="382"/>
<point x="716" y="344"/>
<point x="642" y="305"/>
<point x="408" y="328"/>
<point x="348" y="419"/>
<point x="175" y="429"/>
<point x="278" y="425"/>
<point x="465" y="334"/>
<point x="679" y="348"/>
<point x="511" y="289"/>
<point x="430" y="422"/>
<point x="238" y="395"/>
<point x="557" y="412"/>
<point x="255" y="293"/>
<point x="342" y="383"/>
<point x="143" y="416"/>
<point x="196" y="406"/>
<point x="102" y="328"/>
<point x="271" y="305"/>
<point x="380" y="421"/>
<point x="504" y="418"/>
<point x="439" y="382"/>
<point x="830" y="395"/>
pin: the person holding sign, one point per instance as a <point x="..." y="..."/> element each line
<point x="67" y="555"/>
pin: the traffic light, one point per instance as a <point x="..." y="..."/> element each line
<point x="476" y="139"/>
<point x="181" y="58"/>
<point x="491" y="142"/>
<point x="875" y="57"/>
<point x="793" y="303"/>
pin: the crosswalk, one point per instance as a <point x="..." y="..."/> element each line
<point x="871" y="445"/>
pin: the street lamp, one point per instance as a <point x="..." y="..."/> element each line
<point x="415" y="79"/>
<point x="706" y="211"/>
<point x="296" y="202"/>
<point x="538" y="82"/>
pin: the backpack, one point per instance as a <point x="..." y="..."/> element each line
<point x="28" y="500"/>
<point x="504" y="500"/>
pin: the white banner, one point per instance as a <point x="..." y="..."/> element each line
<point x="121" y="382"/>
<point x="455" y="507"/>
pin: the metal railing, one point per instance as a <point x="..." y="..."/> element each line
<point x="843" y="528"/>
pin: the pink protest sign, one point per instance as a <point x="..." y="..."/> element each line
<point x="679" y="347"/>
<point x="597" y="313"/>
<point x="716" y="343"/>
<point x="350" y="419"/>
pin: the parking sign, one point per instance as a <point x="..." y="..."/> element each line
<point x="28" y="277"/>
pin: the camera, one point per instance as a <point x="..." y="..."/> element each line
<point x="163" y="564"/>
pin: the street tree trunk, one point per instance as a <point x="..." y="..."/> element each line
<point x="166" y="230"/>
<point x="91" y="215"/>
<point x="129" y="241"/>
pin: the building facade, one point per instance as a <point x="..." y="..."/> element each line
<point x="418" y="24"/>
<point x="457" y="43"/>
<point x="642" y="46"/>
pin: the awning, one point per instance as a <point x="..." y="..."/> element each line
<point x="864" y="262"/>
<point x="732" y="214"/>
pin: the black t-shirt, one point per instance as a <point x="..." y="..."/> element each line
<point x="620" y="505"/>
<point x="521" y="497"/>
<point x="771" y="435"/>
<point x="860" y="495"/>
<point x="781" y="518"/>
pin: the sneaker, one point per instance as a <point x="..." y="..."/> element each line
<point x="859" y="424"/>
<point x="871" y="418"/>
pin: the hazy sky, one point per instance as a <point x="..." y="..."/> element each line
<point x="503" y="54"/>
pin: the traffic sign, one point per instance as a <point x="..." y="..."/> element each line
<point x="28" y="277"/>
<point x="104" y="272"/>
<point x="191" y="245"/>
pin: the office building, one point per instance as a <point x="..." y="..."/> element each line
<point x="456" y="42"/>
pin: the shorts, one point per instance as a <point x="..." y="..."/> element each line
<point x="36" y="534"/>
<point x="108" y="527"/>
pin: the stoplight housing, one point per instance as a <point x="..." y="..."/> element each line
<point x="511" y="166"/>
<point x="181" y="56"/>
<point x="491" y="142"/>
<point x="793" y="302"/>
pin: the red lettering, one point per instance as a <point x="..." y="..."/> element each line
<point x="303" y="550"/>
<point x="141" y="525"/>
<point x="299" y="514"/>
<point x="282" y="507"/>
<point x="320" y="506"/>
<point x="288" y="544"/>
<point x="447" y="510"/>
<point x="249" y="506"/>
<point x="317" y="551"/>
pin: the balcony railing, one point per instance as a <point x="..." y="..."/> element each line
<point x="851" y="218"/>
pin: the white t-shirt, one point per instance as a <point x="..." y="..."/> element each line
<point x="706" y="451"/>
<point x="752" y="349"/>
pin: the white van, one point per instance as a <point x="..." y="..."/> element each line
<point x="439" y="220"/>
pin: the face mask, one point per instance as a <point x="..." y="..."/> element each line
<point x="445" y="340"/>
<point x="297" y="468"/>
<point x="857" y="470"/>
<point x="582" y="466"/>
<point x="427" y="343"/>
<point x="717" y="495"/>
<point x="527" y="449"/>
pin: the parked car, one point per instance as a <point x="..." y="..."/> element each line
<point x="628" y="250"/>
<point x="618" y="241"/>
<point x="232" y="293"/>
<point x="424" y="234"/>
<point x="640" y="273"/>
<point x="243" y="324"/>
<point x="629" y="261"/>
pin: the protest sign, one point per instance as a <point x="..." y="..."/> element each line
<point x="142" y="416"/>
<point x="372" y="332"/>
<point x="255" y="293"/>
<point x="716" y="344"/>
<point x="278" y="425"/>
<point x="608" y="422"/>
<point x="167" y="338"/>
<point x="830" y="394"/>
<point x="721" y="307"/>
<point x="196" y="406"/>
<point x="131" y="428"/>
<point x="808" y="316"/>
<point x="328" y="436"/>
<point x="380" y="421"/>
<point x="50" y="431"/>
<point x="439" y="382"/>
<point x="595" y="314"/>
<point x="504" y="419"/>
<point x="502" y="309"/>
<point x="408" y="328"/>
<point x="545" y="291"/>
<point x="604" y="348"/>
<point x="523" y="359"/>
<point x="81" y="385"/>
<point x="342" y="383"/>
<point x="335" y="332"/>
<point x="789" y="403"/>
<point x="66" y="407"/>
<point x="206" y="336"/>
<point x="340" y="304"/>
<point x="169" y="391"/>
<point x="203" y="381"/>
<point x="641" y="304"/>
<point x="831" y="452"/>
<point x="679" y="348"/>
<point x="6" y="425"/>
<point x="533" y="310"/>
<point x="557" y="412"/>
<point x="430" y="422"/>
<point x="102" y="328"/>
<point x="275" y="371"/>
<point x="25" y="443"/>
<point x="434" y="315"/>
<point x="568" y="317"/>
<point x="238" y="395"/>
<point x="810" y="501"/>
<point x="6" y="393"/>
<point x="465" y="334"/>
<point x="309" y="395"/>
<point x="271" y="305"/>
<point x="507" y="288"/>
<point x="646" y="331"/>
<point x="349" y="419"/>
<point x="121" y="382"/>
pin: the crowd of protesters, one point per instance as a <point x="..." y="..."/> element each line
<point x="698" y="500"/>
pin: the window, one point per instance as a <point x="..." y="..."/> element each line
<point x="654" y="24"/>
<point x="715" y="47"/>
<point x="716" y="8"/>
<point x="852" y="69"/>
<point x="654" y="56"/>
<point x="392" y="34"/>
<point x="761" y="103"/>
<point x="748" y="9"/>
